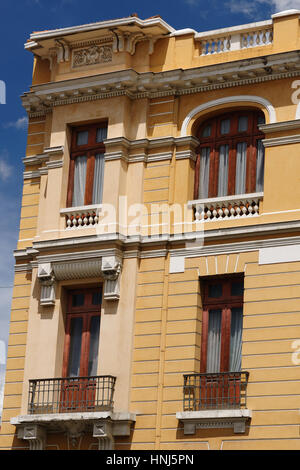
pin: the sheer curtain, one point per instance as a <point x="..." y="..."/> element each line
<point x="79" y="181"/>
<point x="260" y="163"/>
<point x="98" y="179"/>
<point x="223" y="170"/>
<point x="236" y="339"/>
<point x="94" y="344"/>
<point x="204" y="173"/>
<point x="101" y="134"/>
<point x="214" y="341"/>
<point x="241" y="166"/>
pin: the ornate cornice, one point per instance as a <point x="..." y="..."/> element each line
<point x="134" y="85"/>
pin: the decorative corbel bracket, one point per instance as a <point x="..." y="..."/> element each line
<point x="47" y="282"/>
<point x="111" y="268"/>
<point x="63" y="50"/>
<point x="34" y="434"/>
<point x="103" y="431"/>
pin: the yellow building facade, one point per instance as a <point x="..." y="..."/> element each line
<point x="157" y="275"/>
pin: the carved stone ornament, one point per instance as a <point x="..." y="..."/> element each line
<point x="35" y="435"/>
<point x="92" y="55"/>
<point x="108" y="268"/>
<point x="47" y="284"/>
<point x="103" y="432"/>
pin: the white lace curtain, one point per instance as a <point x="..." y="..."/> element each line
<point x="98" y="179"/>
<point x="79" y="181"/>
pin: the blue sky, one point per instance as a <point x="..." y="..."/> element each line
<point x="18" y="18"/>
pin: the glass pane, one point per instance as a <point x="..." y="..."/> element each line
<point x="214" y="341"/>
<point x="215" y="290"/>
<point x="75" y="347"/>
<point x="225" y="126"/>
<point x="237" y="288"/>
<point x="260" y="165"/>
<point x="204" y="173"/>
<point x="206" y="131"/>
<point x="79" y="181"/>
<point x="223" y="170"/>
<point x="96" y="298"/>
<point x="261" y="119"/>
<point x="94" y="345"/>
<point x="77" y="300"/>
<point x="243" y="123"/>
<point x="236" y="329"/>
<point x="241" y="167"/>
<point x="98" y="179"/>
<point x="82" y="138"/>
<point x="101" y="134"/>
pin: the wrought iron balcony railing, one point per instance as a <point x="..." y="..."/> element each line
<point x="71" y="394"/>
<point x="223" y="390"/>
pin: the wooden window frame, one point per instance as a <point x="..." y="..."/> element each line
<point x="216" y="139"/>
<point x="86" y="311"/>
<point x="90" y="150"/>
<point x="224" y="303"/>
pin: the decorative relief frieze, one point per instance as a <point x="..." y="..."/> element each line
<point x="92" y="55"/>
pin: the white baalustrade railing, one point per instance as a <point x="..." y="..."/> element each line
<point x="81" y="217"/>
<point x="236" y="38"/>
<point x="226" y="208"/>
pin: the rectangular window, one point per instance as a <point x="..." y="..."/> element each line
<point x="222" y="324"/>
<point x="82" y="333"/>
<point x="80" y="360"/>
<point x="87" y="165"/>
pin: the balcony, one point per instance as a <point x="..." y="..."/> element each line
<point x="226" y="208"/>
<point x="74" y="406"/>
<point x="71" y="394"/>
<point x="81" y="216"/>
<point x="224" y="390"/>
<point x="215" y="401"/>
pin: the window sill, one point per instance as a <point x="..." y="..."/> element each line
<point x="226" y="207"/>
<point x="214" y="419"/>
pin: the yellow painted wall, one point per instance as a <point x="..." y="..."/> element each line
<point x="157" y="328"/>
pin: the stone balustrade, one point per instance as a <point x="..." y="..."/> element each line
<point x="81" y="217"/>
<point x="236" y="38"/>
<point x="256" y="38"/>
<point x="226" y="208"/>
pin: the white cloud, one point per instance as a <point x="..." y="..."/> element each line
<point x="250" y="8"/>
<point x="281" y="5"/>
<point x="20" y="123"/>
<point x="5" y="169"/>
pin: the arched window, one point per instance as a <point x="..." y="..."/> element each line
<point x="231" y="155"/>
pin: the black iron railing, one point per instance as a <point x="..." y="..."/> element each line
<point x="223" y="390"/>
<point x="71" y="394"/>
